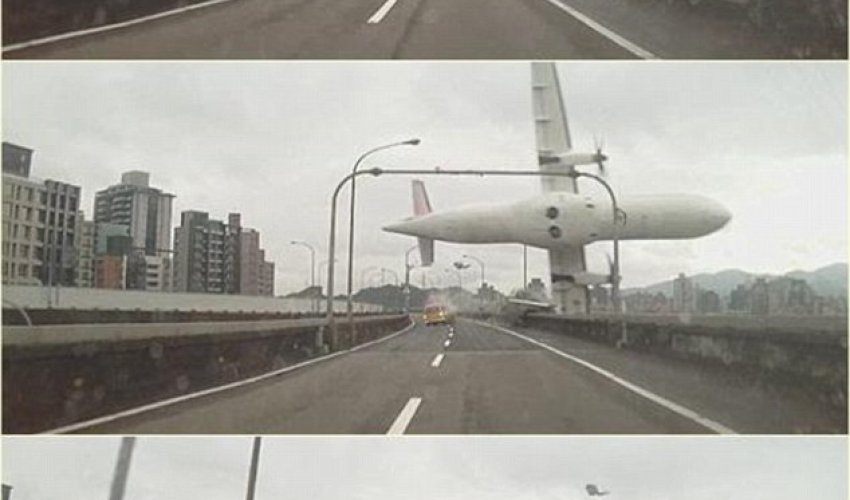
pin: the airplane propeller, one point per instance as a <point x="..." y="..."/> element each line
<point x="599" y="157"/>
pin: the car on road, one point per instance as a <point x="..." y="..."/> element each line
<point x="437" y="315"/>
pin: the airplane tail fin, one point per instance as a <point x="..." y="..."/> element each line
<point x="422" y="206"/>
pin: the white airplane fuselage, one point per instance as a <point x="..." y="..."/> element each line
<point x="568" y="219"/>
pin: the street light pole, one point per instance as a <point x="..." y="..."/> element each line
<point x="252" y="473"/>
<point x="312" y="267"/>
<point x="363" y="274"/>
<point x="525" y="267"/>
<point x="617" y="213"/>
<point x="395" y="274"/>
<point x="349" y="306"/>
<point x="122" y="468"/>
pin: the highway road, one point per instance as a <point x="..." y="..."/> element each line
<point x="430" y="29"/>
<point x="480" y="379"/>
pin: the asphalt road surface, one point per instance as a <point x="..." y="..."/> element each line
<point x="431" y="29"/>
<point x="477" y="379"/>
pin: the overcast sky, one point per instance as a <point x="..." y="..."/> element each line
<point x="271" y="140"/>
<point x="528" y="468"/>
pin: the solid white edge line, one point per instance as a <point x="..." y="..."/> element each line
<point x="403" y="419"/>
<point x="379" y="14"/>
<point x="108" y="27"/>
<point x="212" y="390"/>
<point x="602" y="30"/>
<point x="655" y="398"/>
<point x="437" y="360"/>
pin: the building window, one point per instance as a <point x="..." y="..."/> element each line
<point x="30" y="194"/>
<point x="53" y="200"/>
<point x="42" y="196"/>
<point x="42" y="216"/>
<point x="23" y="271"/>
<point x="27" y="232"/>
<point x="24" y="251"/>
<point x="72" y="204"/>
<point x="29" y="214"/>
<point x="14" y="230"/>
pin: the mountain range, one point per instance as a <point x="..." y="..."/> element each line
<point x="827" y="281"/>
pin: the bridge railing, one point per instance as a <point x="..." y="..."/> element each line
<point x="60" y="374"/>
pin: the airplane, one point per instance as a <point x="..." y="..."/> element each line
<point x="561" y="220"/>
<point x="594" y="491"/>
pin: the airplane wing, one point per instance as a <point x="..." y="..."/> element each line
<point x="551" y="127"/>
<point x="553" y="138"/>
<point x="422" y="206"/>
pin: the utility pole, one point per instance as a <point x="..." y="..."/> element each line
<point x="252" y="474"/>
<point x="122" y="468"/>
<point x="524" y="267"/>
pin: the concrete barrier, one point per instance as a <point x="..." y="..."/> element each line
<point x="29" y="19"/>
<point x="812" y="351"/>
<point x="57" y="375"/>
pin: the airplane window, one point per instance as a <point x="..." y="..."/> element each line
<point x="552" y="212"/>
<point x="555" y="231"/>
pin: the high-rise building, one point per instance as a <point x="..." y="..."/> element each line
<point x="39" y="224"/>
<point x="256" y="275"/>
<point x="684" y="295"/>
<point x="214" y="257"/>
<point x="16" y="159"/>
<point x="109" y="271"/>
<point x="85" y="252"/>
<point x="200" y="263"/>
<point x="146" y="211"/>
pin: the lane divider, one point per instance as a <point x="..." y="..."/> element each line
<point x="108" y="27"/>
<point x="437" y="360"/>
<point x="655" y="398"/>
<point x="379" y="14"/>
<point x="214" y="390"/>
<point x="602" y="30"/>
<point x="403" y="419"/>
<point x="447" y="343"/>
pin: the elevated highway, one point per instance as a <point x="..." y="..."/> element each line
<point x="430" y="29"/>
<point x="479" y="378"/>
